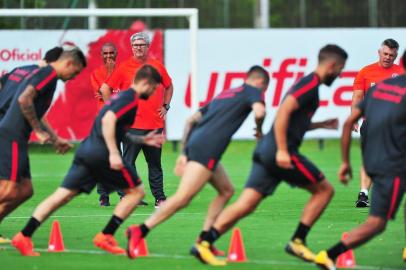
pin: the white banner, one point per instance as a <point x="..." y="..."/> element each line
<point x="225" y="55"/>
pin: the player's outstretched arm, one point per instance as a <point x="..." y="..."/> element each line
<point x="331" y="123"/>
<point x="109" y="130"/>
<point x="345" y="172"/>
<point x="61" y="145"/>
<point x="153" y="138"/>
<point x="259" y="112"/>
<point x="288" y="106"/>
<point x="26" y="101"/>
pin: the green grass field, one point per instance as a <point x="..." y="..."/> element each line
<point x="265" y="233"/>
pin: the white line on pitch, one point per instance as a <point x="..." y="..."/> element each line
<point x="184" y="257"/>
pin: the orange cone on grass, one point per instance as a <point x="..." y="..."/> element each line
<point x="142" y="249"/>
<point x="347" y="259"/>
<point x="236" y="251"/>
<point x="56" y="239"/>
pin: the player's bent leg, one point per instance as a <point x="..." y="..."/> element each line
<point x="193" y="180"/>
<point x="245" y="204"/>
<point x="22" y="241"/>
<point x="225" y="190"/>
<point x="322" y="193"/>
<point x="23" y="191"/>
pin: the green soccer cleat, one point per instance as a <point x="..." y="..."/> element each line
<point x="4" y="240"/>
<point x="404" y="254"/>
<point x="324" y="262"/>
<point x="202" y="252"/>
<point x="298" y="249"/>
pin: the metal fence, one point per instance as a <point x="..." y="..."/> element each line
<point x="225" y="13"/>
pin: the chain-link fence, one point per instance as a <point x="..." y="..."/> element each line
<point x="224" y="13"/>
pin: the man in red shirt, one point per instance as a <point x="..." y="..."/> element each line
<point x="151" y="112"/>
<point x="366" y="78"/>
<point x="97" y="78"/>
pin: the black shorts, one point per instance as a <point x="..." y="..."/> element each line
<point x="84" y="175"/>
<point x="387" y="193"/>
<point x="14" y="161"/>
<point x="264" y="178"/>
<point x="209" y="159"/>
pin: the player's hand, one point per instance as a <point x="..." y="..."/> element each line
<point x="62" y="146"/>
<point x="116" y="162"/>
<point x="258" y="134"/>
<point x="162" y="112"/>
<point x="345" y="173"/>
<point x="283" y="160"/>
<point x="355" y="127"/>
<point x="331" y="123"/>
<point x="180" y="165"/>
<point x="42" y="136"/>
<point x="154" y="139"/>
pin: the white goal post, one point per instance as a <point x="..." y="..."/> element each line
<point x="192" y="14"/>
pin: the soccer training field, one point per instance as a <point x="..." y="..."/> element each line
<point x="265" y="233"/>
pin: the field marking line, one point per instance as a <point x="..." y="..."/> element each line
<point x="184" y="257"/>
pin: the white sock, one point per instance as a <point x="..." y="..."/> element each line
<point x="365" y="191"/>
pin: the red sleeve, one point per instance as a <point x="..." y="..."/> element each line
<point x="166" y="80"/>
<point x="359" y="81"/>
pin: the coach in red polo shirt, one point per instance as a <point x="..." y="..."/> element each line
<point x="151" y="112"/>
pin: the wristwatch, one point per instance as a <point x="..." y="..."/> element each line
<point x="166" y="106"/>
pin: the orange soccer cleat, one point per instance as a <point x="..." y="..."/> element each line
<point x="107" y="243"/>
<point x="24" y="245"/>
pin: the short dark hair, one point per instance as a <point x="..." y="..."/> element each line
<point x="148" y="72"/>
<point x="260" y="72"/>
<point x="76" y="54"/>
<point x="404" y="59"/>
<point x="332" y="51"/>
<point x="391" y="43"/>
<point x="109" y="44"/>
<point x="53" y="54"/>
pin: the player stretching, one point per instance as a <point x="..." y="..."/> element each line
<point x="277" y="158"/>
<point x="206" y="145"/>
<point x="98" y="159"/>
<point x="384" y="157"/>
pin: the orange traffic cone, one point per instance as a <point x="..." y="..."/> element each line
<point x="142" y="249"/>
<point x="347" y="259"/>
<point x="236" y="251"/>
<point x="55" y="239"/>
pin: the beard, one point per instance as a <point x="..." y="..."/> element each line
<point x="329" y="79"/>
<point x="143" y="96"/>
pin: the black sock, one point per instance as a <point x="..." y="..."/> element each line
<point x="31" y="227"/>
<point x="301" y="232"/>
<point x="211" y="236"/>
<point x="336" y="250"/>
<point x="113" y="225"/>
<point x="202" y="235"/>
<point x="144" y="230"/>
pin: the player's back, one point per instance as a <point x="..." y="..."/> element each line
<point x="225" y="115"/>
<point x="10" y="83"/>
<point x="384" y="149"/>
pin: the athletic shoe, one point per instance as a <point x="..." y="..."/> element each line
<point x="202" y="252"/>
<point x="4" y="240"/>
<point x="24" y="245"/>
<point x="404" y="254"/>
<point x="213" y="249"/>
<point x="134" y="237"/>
<point x="107" y="243"/>
<point x="159" y="202"/>
<point x="362" y="200"/>
<point x="104" y="201"/>
<point x="142" y="203"/>
<point x="324" y="262"/>
<point x="298" y="249"/>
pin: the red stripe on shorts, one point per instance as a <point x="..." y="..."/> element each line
<point x="210" y="164"/>
<point x="304" y="170"/>
<point x="127" y="177"/>
<point x="14" y="161"/>
<point x="395" y="194"/>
